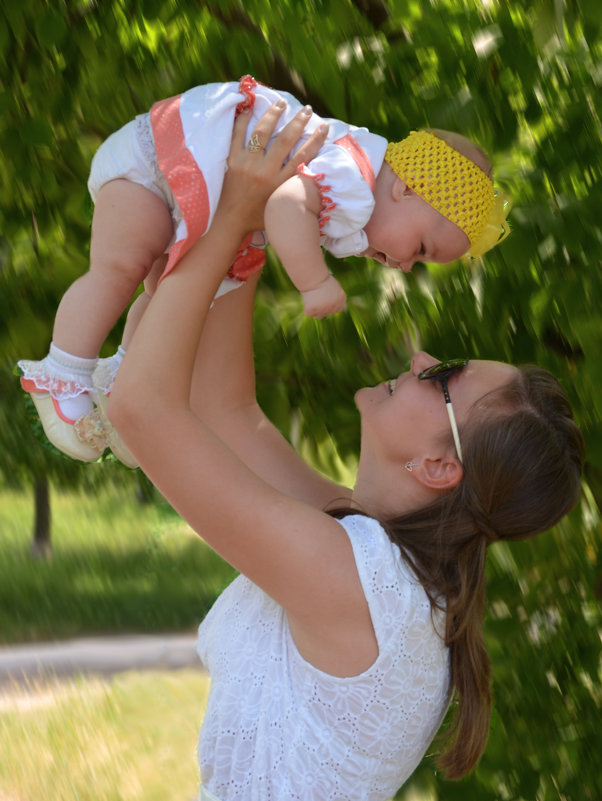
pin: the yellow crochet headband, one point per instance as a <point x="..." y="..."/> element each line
<point x="454" y="186"/>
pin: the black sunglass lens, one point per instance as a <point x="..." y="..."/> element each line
<point x="443" y="367"/>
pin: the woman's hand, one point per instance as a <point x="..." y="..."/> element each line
<point x="254" y="173"/>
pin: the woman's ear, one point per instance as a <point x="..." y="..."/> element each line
<point x="439" y="474"/>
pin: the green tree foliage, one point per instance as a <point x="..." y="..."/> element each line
<point x="522" y="78"/>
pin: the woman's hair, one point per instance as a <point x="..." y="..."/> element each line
<point x="523" y="456"/>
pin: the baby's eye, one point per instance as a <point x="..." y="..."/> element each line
<point x="422" y="250"/>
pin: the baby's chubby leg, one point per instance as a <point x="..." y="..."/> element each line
<point x="106" y="369"/>
<point x="131" y="229"/>
<point x="138" y="307"/>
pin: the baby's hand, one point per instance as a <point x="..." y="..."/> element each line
<point x="327" y="298"/>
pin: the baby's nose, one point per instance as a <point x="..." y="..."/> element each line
<point x="406" y="266"/>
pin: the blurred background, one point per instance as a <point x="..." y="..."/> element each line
<point x="87" y="549"/>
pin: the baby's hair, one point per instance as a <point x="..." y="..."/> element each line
<point x="466" y="147"/>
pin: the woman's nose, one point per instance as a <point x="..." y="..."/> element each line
<point x="421" y="360"/>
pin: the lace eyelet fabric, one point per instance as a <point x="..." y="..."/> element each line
<point x="278" y="729"/>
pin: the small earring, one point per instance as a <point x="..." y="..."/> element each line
<point x="409" y="466"/>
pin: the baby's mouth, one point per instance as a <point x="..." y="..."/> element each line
<point x="391" y="384"/>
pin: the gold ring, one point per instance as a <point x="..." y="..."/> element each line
<point x="254" y="144"/>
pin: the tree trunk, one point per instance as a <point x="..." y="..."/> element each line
<point x="40" y="547"/>
<point x="145" y="491"/>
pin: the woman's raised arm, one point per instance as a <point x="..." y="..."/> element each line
<point x="298" y="555"/>
<point x="223" y="396"/>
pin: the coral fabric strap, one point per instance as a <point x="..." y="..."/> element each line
<point x="248" y="260"/>
<point x="358" y="154"/>
<point x="187" y="183"/>
<point x="182" y="172"/>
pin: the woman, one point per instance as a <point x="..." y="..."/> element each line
<point x="334" y="655"/>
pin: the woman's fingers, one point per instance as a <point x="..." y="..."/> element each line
<point x="261" y="135"/>
<point x="265" y="127"/>
<point x="253" y="173"/>
<point x="288" y="136"/>
<point x="239" y="132"/>
<point x="286" y="139"/>
<point x="281" y="146"/>
<point x="308" y="150"/>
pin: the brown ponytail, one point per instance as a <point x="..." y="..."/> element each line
<point x="523" y="456"/>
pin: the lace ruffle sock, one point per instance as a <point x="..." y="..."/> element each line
<point x="59" y="387"/>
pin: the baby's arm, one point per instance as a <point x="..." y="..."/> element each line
<point x="291" y="220"/>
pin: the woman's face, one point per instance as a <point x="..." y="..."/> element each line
<point x="406" y="419"/>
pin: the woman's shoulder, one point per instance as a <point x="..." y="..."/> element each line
<point x="371" y="541"/>
<point x="392" y="589"/>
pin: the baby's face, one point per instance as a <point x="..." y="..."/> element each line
<point x="403" y="229"/>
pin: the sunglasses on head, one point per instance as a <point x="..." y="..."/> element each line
<point x="441" y="372"/>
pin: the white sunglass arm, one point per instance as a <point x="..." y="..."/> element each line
<point x="454" y="428"/>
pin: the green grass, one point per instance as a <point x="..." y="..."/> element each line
<point x="130" y="739"/>
<point x="116" y="566"/>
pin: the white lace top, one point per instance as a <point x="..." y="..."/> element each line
<point x="278" y="729"/>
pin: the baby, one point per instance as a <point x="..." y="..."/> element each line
<point x="156" y="183"/>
